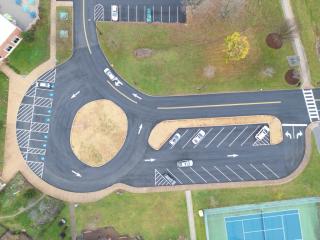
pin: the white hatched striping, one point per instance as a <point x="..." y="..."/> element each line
<point x="36" y="167"/>
<point x="98" y="14"/>
<point x="37" y="151"/>
<point x="311" y="104"/>
<point x="40" y="127"/>
<point x="31" y="91"/>
<point x="264" y="142"/>
<point x="43" y="102"/>
<point x="49" y="76"/>
<point x="25" y="113"/>
<point x="23" y="138"/>
<point x="159" y="180"/>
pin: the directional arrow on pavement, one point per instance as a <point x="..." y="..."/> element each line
<point x="75" y="94"/>
<point x="76" y="173"/>
<point x="150" y="160"/>
<point x="136" y="96"/>
<point x="288" y="135"/>
<point x="232" y="155"/>
<point x="140" y="128"/>
<point x="299" y="134"/>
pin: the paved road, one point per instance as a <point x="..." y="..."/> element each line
<point x="45" y="118"/>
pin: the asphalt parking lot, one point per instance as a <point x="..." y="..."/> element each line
<point x="219" y="137"/>
<point x="33" y="123"/>
<point x="168" y="13"/>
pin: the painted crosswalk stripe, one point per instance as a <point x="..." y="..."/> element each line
<point x="311" y="105"/>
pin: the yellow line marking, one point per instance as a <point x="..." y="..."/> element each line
<point x="121" y="93"/>
<point x="221" y="105"/>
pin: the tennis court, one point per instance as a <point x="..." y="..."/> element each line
<point x="283" y="225"/>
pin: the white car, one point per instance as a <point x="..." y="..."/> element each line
<point x="110" y="75"/>
<point x="262" y="133"/>
<point x="114" y="13"/>
<point x="175" y="139"/>
<point x="185" y="163"/>
<point x="198" y="138"/>
<point x="44" y="85"/>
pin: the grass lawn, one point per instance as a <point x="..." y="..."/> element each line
<point x="4" y="85"/>
<point x="155" y="216"/>
<point x="29" y="55"/>
<point x="307" y="184"/>
<point x="64" y="45"/>
<point x="190" y="58"/>
<point x="307" y="13"/>
<point x="41" y="221"/>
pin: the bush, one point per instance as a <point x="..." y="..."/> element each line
<point x="30" y="193"/>
<point x="29" y="36"/>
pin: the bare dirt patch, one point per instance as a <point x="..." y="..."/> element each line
<point x="143" y="53"/>
<point x="163" y="130"/>
<point x="98" y="132"/>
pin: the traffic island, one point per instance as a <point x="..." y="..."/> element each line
<point x="98" y="132"/>
<point x="161" y="133"/>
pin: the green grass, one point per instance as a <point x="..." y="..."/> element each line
<point x="13" y="198"/>
<point x="307" y="184"/>
<point x="29" y="55"/>
<point x="64" y="46"/>
<point x="181" y="52"/>
<point x="4" y="86"/>
<point x="307" y="13"/>
<point x="155" y="216"/>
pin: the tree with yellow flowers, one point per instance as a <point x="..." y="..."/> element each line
<point x="236" y="47"/>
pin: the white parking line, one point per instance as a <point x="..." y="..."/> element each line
<point x="38" y="140"/>
<point x="214" y="138"/>
<point x="177" y="14"/>
<point x="250" y="135"/>
<point x="270" y="170"/>
<point x="41" y="114"/>
<point x="159" y="180"/>
<point x="222" y="173"/>
<point x="185" y="175"/>
<point x="210" y="174"/>
<point x="153" y="13"/>
<point x="120" y="12"/>
<point x="174" y="176"/>
<point x="234" y="172"/>
<point x="190" y="139"/>
<point x="258" y="171"/>
<point x="169" y="14"/>
<point x="238" y="136"/>
<point x="128" y="13"/>
<point x="161" y="13"/>
<point x="136" y="13"/>
<point x="226" y="137"/>
<point x="198" y="175"/>
<point x="247" y="172"/>
<point x="203" y="138"/>
<point x="144" y="11"/>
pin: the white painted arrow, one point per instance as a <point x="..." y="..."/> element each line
<point x="150" y="160"/>
<point x="75" y="94"/>
<point x="232" y="155"/>
<point x="140" y="128"/>
<point x="136" y="96"/>
<point x="76" y="173"/>
<point x="288" y="135"/>
<point x="299" y="134"/>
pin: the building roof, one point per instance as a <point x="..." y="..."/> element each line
<point x="7" y="28"/>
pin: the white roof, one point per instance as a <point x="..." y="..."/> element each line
<point x="7" y="29"/>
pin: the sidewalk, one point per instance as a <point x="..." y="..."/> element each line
<point x="192" y="228"/>
<point x="297" y="46"/>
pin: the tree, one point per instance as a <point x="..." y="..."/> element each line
<point x="286" y="31"/>
<point x="236" y="47"/>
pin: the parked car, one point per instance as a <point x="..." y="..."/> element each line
<point x="262" y="133"/>
<point x="185" y="163"/>
<point x="46" y="85"/>
<point x="170" y="179"/>
<point x="198" y="138"/>
<point x="110" y="75"/>
<point x="175" y="139"/>
<point x="149" y="15"/>
<point x="114" y="13"/>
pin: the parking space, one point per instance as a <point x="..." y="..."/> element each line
<point x="174" y="13"/>
<point x="293" y="132"/>
<point x="216" y="174"/>
<point x="33" y="123"/>
<point x="218" y="137"/>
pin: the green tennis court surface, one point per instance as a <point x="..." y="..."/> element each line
<point x="296" y="219"/>
<point x="284" y="225"/>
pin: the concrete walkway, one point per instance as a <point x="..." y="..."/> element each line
<point x="192" y="228"/>
<point x="73" y="228"/>
<point x="297" y="46"/>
